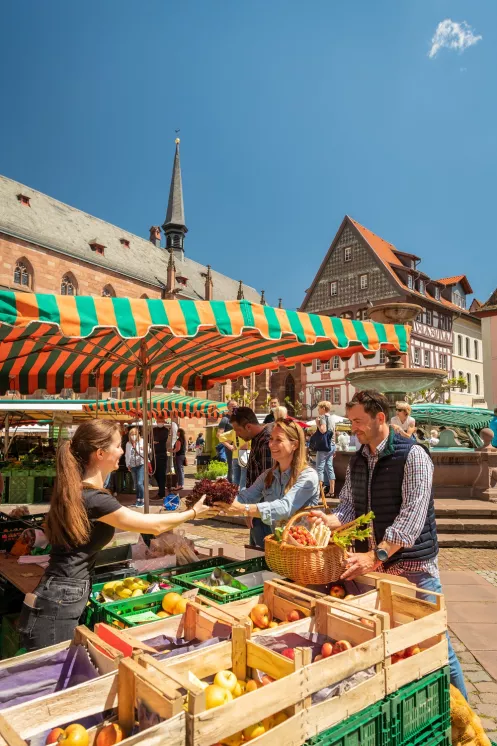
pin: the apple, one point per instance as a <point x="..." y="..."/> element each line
<point x="253" y="731"/>
<point x="235" y="740"/>
<point x="396" y="657"/>
<point x="256" y="629"/>
<point x="279" y="718"/>
<point x="337" y="591"/>
<point x="294" y="615"/>
<point x="288" y="653"/>
<point x="215" y="696"/>
<point x="226" y="679"/>
<point x="74" y="735"/>
<point x="239" y="689"/>
<point x="265" y="679"/>
<point x="411" y="650"/>
<point x="318" y="657"/>
<point x="261" y="616"/>
<point x="109" y="735"/>
<point x="273" y="624"/>
<point x="349" y="597"/>
<point x="54" y="735"/>
<point x="327" y="650"/>
<point x="251" y="686"/>
<point x="341" y="645"/>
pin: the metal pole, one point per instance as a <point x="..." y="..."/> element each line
<point x="145" y="426"/>
<point x="6" y="438"/>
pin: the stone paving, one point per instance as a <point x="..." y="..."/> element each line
<point x="482" y="689"/>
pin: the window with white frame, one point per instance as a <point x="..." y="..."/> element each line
<point x="468" y="379"/>
<point x="336" y="363"/>
<point x="459" y="345"/>
<point x="429" y="317"/>
<point x="460" y="374"/>
<point x="336" y="395"/>
<point x="333" y="287"/>
<point x="437" y="293"/>
<point x="327" y="394"/>
<point x="363" y="281"/>
<point x="383" y="357"/>
<point x="410" y="283"/>
<point x="421" y="286"/>
<point x="427" y="358"/>
<point x="318" y="365"/>
<point x="443" y="361"/>
<point x="416" y="356"/>
<point x="347" y="254"/>
<point x="326" y="365"/>
<point x="468" y="347"/>
<point x="477" y="383"/>
<point x="476" y="349"/>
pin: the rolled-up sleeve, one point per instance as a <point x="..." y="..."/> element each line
<point x="303" y="491"/>
<point x="345" y="510"/>
<point x="416" y="494"/>
<point x="252" y="494"/>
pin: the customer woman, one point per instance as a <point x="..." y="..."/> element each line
<point x="402" y="422"/>
<point x="80" y="522"/>
<point x="281" y="491"/>
<point x="135" y="463"/>
<point x="180" y="458"/>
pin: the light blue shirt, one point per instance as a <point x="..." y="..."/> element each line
<point x="273" y="503"/>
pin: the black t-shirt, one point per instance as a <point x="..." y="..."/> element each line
<point x="269" y="418"/>
<point x="161" y="435"/>
<point x="225" y="424"/>
<point x="78" y="562"/>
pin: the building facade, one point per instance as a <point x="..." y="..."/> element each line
<point x="487" y="313"/>
<point x="362" y="270"/>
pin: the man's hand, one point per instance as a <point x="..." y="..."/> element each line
<point x="359" y="563"/>
<point x="317" y="517"/>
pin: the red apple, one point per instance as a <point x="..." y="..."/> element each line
<point x="327" y="650"/>
<point x="337" y="591"/>
<point x="318" y="658"/>
<point x="261" y="616"/>
<point x="54" y="735"/>
<point x="340" y="646"/>
<point x="294" y="615"/>
<point x="411" y="650"/>
<point x="289" y="653"/>
<point x="265" y="679"/>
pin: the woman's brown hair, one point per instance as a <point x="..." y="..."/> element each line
<point x="67" y="522"/>
<point x="293" y="432"/>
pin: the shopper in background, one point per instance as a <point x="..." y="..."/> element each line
<point x="160" y="438"/>
<point x="231" y="440"/>
<point x="173" y="436"/>
<point x="180" y="458"/>
<point x="434" y="438"/>
<point x="224" y="427"/>
<point x="135" y="462"/>
<point x="402" y="422"/>
<point x="247" y="426"/>
<point x="273" y="403"/>
<point x="323" y="442"/>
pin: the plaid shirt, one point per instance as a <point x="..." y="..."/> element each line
<point x="260" y="458"/>
<point x="416" y="493"/>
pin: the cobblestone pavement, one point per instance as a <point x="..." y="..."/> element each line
<point x="482" y="689"/>
<point x="468" y="559"/>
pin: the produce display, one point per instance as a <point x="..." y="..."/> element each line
<point x="116" y="590"/>
<point x="309" y="534"/>
<point x="216" y="490"/>
<point x="77" y="735"/>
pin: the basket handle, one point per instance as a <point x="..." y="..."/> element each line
<point x="323" y="498"/>
<point x="290" y="523"/>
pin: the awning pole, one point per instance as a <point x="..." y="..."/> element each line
<point x="145" y="426"/>
<point x="6" y="438"/>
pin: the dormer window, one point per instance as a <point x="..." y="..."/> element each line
<point x="421" y="286"/>
<point x="24" y="200"/>
<point x="458" y="299"/>
<point x="124" y="242"/>
<point x="181" y="279"/>
<point x="437" y="293"/>
<point x="409" y="282"/>
<point x="97" y="246"/>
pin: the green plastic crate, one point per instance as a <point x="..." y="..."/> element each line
<point x="370" y="727"/>
<point x="95" y="609"/>
<point x="172" y="572"/>
<point x="442" y="739"/>
<point x="236" y="569"/>
<point x="21" y="488"/>
<point x="123" y="611"/>
<point x="421" y="710"/>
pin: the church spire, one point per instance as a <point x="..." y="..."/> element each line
<point x="240" y="295"/>
<point x="174" y="225"/>
<point x="263" y="299"/>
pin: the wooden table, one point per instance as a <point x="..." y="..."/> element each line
<point x="24" y="577"/>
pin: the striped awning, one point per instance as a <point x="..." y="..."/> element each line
<point x="53" y="342"/>
<point x="448" y="414"/>
<point x="160" y="404"/>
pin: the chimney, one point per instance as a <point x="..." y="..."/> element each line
<point x="280" y="303"/>
<point x="208" y="283"/>
<point x="155" y="235"/>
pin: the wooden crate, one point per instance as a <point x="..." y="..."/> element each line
<point x="121" y="691"/>
<point x="406" y="621"/>
<point x="295" y="682"/>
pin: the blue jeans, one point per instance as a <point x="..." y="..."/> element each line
<point x="138" y="474"/>
<point x="258" y="532"/>
<point x="179" y="468"/>
<point x="239" y="474"/>
<point x="324" y="466"/>
<point x="429" y="583"/>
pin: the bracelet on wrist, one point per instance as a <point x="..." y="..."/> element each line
<point x="194" y="513"/>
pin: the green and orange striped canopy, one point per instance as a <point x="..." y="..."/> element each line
<point x="53" y="342"/>
<point x="160" y="404"/>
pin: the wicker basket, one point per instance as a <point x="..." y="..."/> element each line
<point x="304" y="565"/>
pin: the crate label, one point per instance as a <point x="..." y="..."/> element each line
<point x="190" y="595"/>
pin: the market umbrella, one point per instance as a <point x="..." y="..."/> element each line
<point x="160" y="404"/>
<point x="448" y="414"/>
<point x="53" y="342"/>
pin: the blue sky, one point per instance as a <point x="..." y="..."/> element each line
<point x="291" y="114"/>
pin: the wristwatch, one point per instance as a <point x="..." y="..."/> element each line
<point x="381" y="554"/>
<point x="247" y="508"/>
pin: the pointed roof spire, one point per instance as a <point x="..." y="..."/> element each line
<point x="280" y="302"/>
<point x="209" y="283"/>
<point x="263" y="299"/>
<point x="240" y="295"/>
<point x="175" y="215"/>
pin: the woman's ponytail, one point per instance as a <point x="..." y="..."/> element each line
<point x="67" y="521"/>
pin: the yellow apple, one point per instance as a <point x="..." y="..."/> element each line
<point x="251" y="686"/>
<point x="253" y="731"/>
<point x="215" y="696"/>
<point x="239" y="689"/>
<point x="226" y="679"/>
<point x="279" y="718"/>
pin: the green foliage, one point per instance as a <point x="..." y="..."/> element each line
<point x="295" y="407"/>
<point x="213" y="470"/>
<point x="439" y="394"/>
<point x="245" y="398"/>
<point x="361" y="530"/>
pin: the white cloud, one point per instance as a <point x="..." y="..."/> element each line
<point x="452" y="35"/>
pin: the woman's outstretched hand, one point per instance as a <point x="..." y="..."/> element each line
<point x="317" y="517"/>
<point x="236" y="508"/>
<point x="204" y="511"/>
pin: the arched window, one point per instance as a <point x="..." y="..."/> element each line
<point x="68" y="285"/>
<point x="23" y="274"/>
<point x="144" y="296"/>
<point x="477" y="383"/>
<point x="176" y="240"/>
<point x="108" y="292"/>
<point x="290" y="388"/>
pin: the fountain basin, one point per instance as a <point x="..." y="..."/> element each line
<point x="395" y="380"/>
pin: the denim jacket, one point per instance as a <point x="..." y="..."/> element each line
<point x="272" y="501"/>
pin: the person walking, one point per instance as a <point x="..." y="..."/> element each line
<point x="273" y="403"/>
<point x="81" y="521"/>
<point x="239" y="447"/>
<point x="323" y="442"/>
<point x="247" y="427"/>
<point x="180" y="458"/>
<point x="402" y="422"/>
<point x="224" y="427"/>
<point x="160" y="437"/>
<point x="282" y="490"/>
<point x="392" y="476"/>
<point x="135" y="463"/>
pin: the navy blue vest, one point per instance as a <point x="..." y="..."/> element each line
<point x="386" y="498"/>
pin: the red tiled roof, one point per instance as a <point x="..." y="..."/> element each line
<point x="451" y="280"/>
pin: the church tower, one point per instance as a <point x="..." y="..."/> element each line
<point x="174" y="225"/>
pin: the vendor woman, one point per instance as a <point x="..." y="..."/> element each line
<point x="81" y="521"/>
<point x="281" y="491"/>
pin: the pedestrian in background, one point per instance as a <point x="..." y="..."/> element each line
<point x="273" y="403"/>
<point x="135" y="462"/>
<point x="323" y="442"/>
<point x="403" y="423"/>
<point x="180" y="458"/>
<point x="160" y="438"/>
<point x="224" y="427"/>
